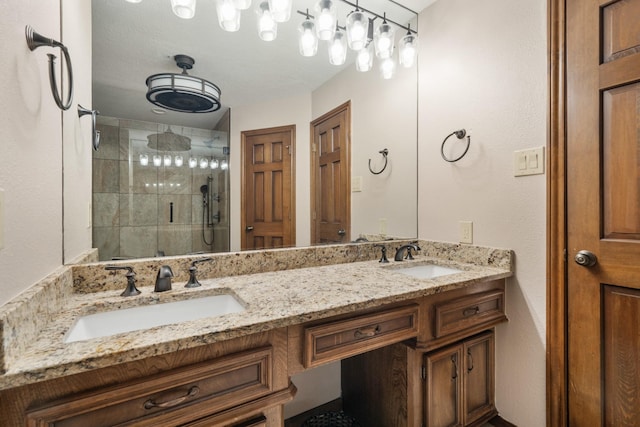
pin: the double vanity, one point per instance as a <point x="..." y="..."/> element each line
<point x="415" y="338"/>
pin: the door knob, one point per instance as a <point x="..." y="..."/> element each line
<point x="341" y="232"/>
<point x="586" y="258"/>
<point x="249" y="228"/>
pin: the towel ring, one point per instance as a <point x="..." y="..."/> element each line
<point x="384" y="153"/>
<point x="34" y="41"/>
<point x="95" y="134"/>
<point x="459" y="134"/>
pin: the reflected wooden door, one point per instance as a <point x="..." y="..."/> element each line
<point x="331" y="177"/>
<point x="268" y="206"/>
<point x="603" y="212"/>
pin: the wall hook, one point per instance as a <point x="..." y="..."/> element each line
<point x="95" y="134"/>
<point x="459" y="134"/>
<point x="34" y="41"/>
<point x="384" y="153"/>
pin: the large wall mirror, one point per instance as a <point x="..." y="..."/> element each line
<point x="179" y="204"/>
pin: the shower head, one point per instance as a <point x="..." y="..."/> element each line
<point x="204" y="189"/>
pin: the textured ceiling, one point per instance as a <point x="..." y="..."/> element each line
<point x="133" y="41"/>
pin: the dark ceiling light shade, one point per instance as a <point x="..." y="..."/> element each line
<point x="182" y="92"/>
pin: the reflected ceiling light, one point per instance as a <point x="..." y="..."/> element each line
<point x="214" y="164"/>
<point x="325" y="19"/>
<point x="228" y="15"/>
<point x="204" y="163"/>
<point x="307" y="41"/>
<point x="408" y="50"/>
<point x="338" y="47"/>
<point x="157" y="160"/>
<point x="178" y="160"/>
<point x="193" y="162"/>
<point x="280" y="9"/>
<point x="182" y="92"/>
<point x="224" y="165"/>
<point x="184" y="9"/>
<point x="144" y="160"/>
<point x="383" y="39"/>
<point x="364" y="60"/>
<point x="387" y="68"/>
<point x="267" y="26"/>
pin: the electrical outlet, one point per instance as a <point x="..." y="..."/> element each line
<point x="382" y="226"/>
<point x="466" y="232"/>
<point x="356" y="184"/>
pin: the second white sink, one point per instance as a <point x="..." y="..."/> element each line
<point x="148" y="316"/>
<point x="426" y="271"/>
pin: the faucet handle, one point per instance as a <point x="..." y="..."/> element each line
<point x="383" y="249"/>
<point x="131" y="289"/>
<point x="193" y="282"/>
<point x="414" y="246"/>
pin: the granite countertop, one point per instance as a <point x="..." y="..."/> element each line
<point x="272" y="300"/>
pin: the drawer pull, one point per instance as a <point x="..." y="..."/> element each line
<point x="367" y="332"/>
<point x="150" y="404"/>
<point x="471" y="311"/>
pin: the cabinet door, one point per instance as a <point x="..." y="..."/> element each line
<point x="478" y="401"/>
<point x="443" y="395"/>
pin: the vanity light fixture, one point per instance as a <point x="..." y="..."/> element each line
<point x="157" y="160"/>
<point x="184" y="9"/>
<point x="267" y="26"/>
<point x="307" y="41"/>
<point x="182" y="92"/>
<point x="167" y="160"/>
<point x="204" y="163"/>
<point x="242" y="4"/>
<point x="178" y="160"/>
<point x="214" y="164"/>
<point x="326" y="18"/>
<point x="338" y="47"/>
<point x="357" y="26"/>
<point x="387" y="68"/>
<point x="280" y="9"/>
<point x="224" y="165"/>
<point x="144" y="160"/>
<point x="228" y="15"/>
<point x="193" y="162"/>
<point x="383" y="39"/>
<point x="364" y="59"/>
<point x="408" y="51"/>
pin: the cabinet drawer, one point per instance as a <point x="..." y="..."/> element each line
<point x="471" y="311"/>
<point x="345" y="338"/>
<point x="178" y="395"/>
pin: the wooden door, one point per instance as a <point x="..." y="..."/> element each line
<point x="331" y="177"/>
<point x="268" y="204"/>
<point x="603" y="212"/>
<point x="478" y="374"/>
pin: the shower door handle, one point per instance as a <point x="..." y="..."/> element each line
<point x="249" y="228"/>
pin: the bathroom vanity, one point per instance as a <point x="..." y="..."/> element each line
<point x="402" y="340"/>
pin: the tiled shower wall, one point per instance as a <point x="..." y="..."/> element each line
<point x="131" y="202"/>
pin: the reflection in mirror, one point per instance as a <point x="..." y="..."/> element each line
<point x="263" y="84"/>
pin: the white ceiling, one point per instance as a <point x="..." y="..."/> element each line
<point x="134" y="41"/>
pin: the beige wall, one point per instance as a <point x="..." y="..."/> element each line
<point x="483" y="68"/>
<point x="31" y="140"/>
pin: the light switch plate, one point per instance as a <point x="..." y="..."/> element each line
<point x="528" y="162"/>
<point x="356" y="184"/>
<point x="1" y="218"/>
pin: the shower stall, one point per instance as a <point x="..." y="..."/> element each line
<point x="159" y="190"/>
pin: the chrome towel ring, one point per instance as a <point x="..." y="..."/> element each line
<point x="95" y="134"/>
<point x="34" y="41"/>
<point x="459" y="134"/>
<point x="384" y="153"/>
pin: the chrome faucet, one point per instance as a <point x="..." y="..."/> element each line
<point x="163" y="279"/>
<point x="406" y="248"/>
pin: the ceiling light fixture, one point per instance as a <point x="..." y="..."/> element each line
<point x="182" y="92"/>
<point x="229" y="14"/>
<point x="267" y="26"/>
<point x="184" y="9"/>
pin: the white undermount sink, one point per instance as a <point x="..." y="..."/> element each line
<point x="148" y="316"/>
<point x="426" y="271"/>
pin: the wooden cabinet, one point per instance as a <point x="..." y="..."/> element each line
<point x="460" y="383"/>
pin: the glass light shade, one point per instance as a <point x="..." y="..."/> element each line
<point x="242" y="4"/>
<point x="214" y="163"/>
<point x="364" y="60"/>
<point x="383" y="40"/>
<point x="157" y="160"/>
<point x="280" y="9"/>
<point x="408" y="51"/>
<point x="204" y="163"/>
<point x="193" y="162"/>
<point x="178" y="160"/>
<point x="325" y="19"/>
<point x="167" y="160"/>
<point x="308" y="41"/>
<point x="357" y="26"/>
<point x="144" y="160"/>
<point x="228" y="15"/>
<point x="184" y="9"/>
<point x="387" y="68"/>
<point x="338" y="48"/>
<point x="134" y="1"/>
<point x="224" y="165"/>
<point x="267" y="26"/>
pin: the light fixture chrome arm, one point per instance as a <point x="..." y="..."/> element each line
<point x="95" y="134"/>
<point x="34" y="41"/>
